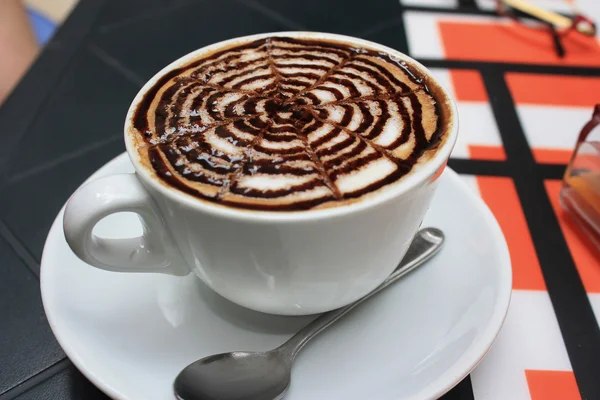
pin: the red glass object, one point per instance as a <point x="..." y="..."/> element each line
<point x="580" y="192"/>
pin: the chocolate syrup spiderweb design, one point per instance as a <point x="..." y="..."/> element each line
<point x="286" y="124"/>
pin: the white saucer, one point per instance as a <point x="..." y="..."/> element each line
<point x="130" y="334"/>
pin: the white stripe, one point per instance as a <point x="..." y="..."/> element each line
<point x="530" y="339"/>
<point x="595" y="302"/>
<point x="423" y="35"/>
<point x="431" y="3"/>
<point x="555" y="5"/>
<point x="553" y="127"/>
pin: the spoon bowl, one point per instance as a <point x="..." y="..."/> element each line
<point x="235" y="376"/>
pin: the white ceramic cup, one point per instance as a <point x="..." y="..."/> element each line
<point x="290" y="263"/>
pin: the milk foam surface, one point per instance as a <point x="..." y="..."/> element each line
<point x="287" y="124"/>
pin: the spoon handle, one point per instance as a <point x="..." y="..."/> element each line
<point x="426" y="244"/>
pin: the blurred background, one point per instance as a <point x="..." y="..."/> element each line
<point x="25" y="27"/>
<point x="45" y="15"/>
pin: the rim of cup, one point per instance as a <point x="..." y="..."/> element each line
<point x="420" y="174"/>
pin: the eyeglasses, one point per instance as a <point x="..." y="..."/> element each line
<point x="558" y="25"/>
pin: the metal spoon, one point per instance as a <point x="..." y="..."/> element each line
<point x="266" y="375"/>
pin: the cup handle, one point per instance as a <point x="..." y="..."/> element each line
<point x="154" y="251"/>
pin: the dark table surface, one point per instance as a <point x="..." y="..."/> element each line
<point x="65" y="120"/>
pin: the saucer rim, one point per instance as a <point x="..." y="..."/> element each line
<point x="464" y="365"/>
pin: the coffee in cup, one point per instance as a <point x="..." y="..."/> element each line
<point x="288" y="124"/>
